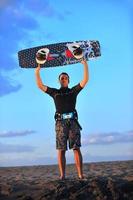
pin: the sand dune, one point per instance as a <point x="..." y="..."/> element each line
<point x="105" y="181"/>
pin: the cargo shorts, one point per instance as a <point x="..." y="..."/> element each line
<point x="67" y="131"/>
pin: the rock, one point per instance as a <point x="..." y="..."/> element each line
<point x="5" y="189"/>
<point x="42" y="182"/>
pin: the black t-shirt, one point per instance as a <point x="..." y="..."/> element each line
<point x="64" y="98"/>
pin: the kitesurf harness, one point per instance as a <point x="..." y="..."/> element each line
<point x="67" y="117"/>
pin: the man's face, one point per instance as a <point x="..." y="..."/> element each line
<point x="64" y="80"/>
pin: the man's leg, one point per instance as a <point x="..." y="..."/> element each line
<point x="78" y="162"/>
<point x="62" y="162"/>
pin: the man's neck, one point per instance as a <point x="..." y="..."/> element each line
<point x="63" y="88"/>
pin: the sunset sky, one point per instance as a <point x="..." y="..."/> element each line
<point x="27" y="132"/>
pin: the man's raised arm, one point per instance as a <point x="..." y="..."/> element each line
<point x="86" y="73"/>
<point x="38" y="79"/>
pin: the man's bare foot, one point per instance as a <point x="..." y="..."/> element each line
<point x="62" y="178"/>
<point x="82" y="177"/>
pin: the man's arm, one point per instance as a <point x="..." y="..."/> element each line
<point x="38" y="79"/>
<point x="86" y="74"/>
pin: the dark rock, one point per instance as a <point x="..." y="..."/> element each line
<point x="42" y="183"/>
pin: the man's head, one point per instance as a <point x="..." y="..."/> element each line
<point x="64" y="79"/>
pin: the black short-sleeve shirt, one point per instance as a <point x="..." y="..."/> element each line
<point x="64" y="98"/>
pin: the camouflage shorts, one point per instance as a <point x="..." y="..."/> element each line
<point x="67" y="131"/>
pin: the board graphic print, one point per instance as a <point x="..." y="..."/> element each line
<point x="59" y="54"/>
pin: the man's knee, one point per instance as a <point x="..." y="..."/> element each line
<point x="76" y="150"/>
<point x="61" y="151"/>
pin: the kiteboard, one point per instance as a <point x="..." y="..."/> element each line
<point x="59" y="54"/>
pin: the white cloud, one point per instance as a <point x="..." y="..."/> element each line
<point x="108" y="138"/>
<point x="16" y="133"/>
<point x="19" y="22"/>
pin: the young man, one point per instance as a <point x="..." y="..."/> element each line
<point x="66" y="126"/>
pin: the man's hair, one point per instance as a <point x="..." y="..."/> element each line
<point x="64" y="73"/>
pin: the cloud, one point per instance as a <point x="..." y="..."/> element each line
<point x="108" y="138"/>
<point x="14" y="28"/>
<point x="9" y="148"/>
<point x="8" y="86"/>
<point x="16" y="133"/>
<point x="18" y="20"/>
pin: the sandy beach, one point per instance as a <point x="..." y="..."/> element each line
<point x="104" y="181"/>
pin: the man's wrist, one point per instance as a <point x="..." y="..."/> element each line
<point x="84" y="62"/>
<point x="37" y="70"/>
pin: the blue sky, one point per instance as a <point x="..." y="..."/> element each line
<point x="27" y="134"/>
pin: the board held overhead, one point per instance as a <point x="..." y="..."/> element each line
<point x="59" y="54"/>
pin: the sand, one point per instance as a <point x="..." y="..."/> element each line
<point x="104" y="181"/>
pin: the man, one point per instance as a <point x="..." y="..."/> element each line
<point x="66" y="126"/>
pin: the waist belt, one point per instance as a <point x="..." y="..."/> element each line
<point x="64" y="116"/>
<point x="67" y="116"/>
